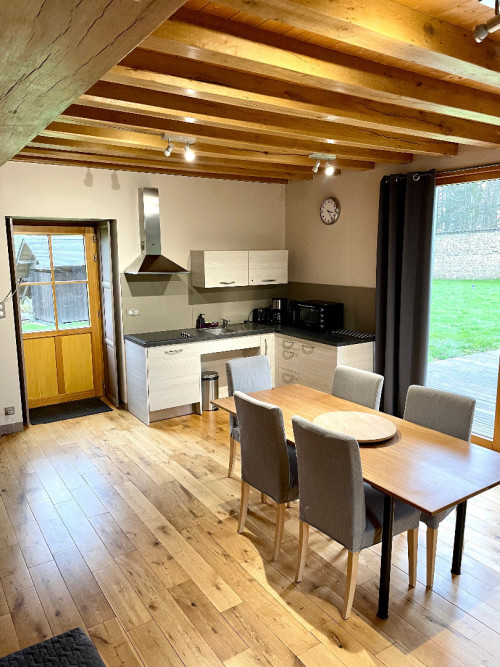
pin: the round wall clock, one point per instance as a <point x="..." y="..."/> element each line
<point x="330" y="210"/>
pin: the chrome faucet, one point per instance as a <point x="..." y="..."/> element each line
<point x="224" y="323"/>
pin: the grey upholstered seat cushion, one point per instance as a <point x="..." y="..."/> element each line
<point x="333" y="497"/>
<point x="444" y="412"/>
<point x="71" y="649"/>
<point x="268" y="463"/>
<point x="358" y="386"/>
<point x="248" y="374"/>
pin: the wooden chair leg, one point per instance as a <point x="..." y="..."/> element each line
<point x="303" y="542"/>
<point x="350" y="584"/>
<point x="245" y="490"/>
<point x="263" y="498"/>
<point x="278" y="533"/>
<point x="432" y="536"/>
<point x="412" y="555"/>
<point x="289" y="504"/>
<point x="232" y="448"/>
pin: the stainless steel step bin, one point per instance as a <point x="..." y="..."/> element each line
<point x="209" y="389"/>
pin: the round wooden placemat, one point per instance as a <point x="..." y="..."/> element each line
<point x="360" y="425"/>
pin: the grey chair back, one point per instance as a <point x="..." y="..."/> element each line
<point x="264" y="455"/>
<point x="358" y="386"/>
<point x="440" y="410"/>
<point x="248" y="374"/>
<point x="332" y="495"/>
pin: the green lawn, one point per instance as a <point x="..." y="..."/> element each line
<point x="465" y="317"/>
<point x="34" y="327"/>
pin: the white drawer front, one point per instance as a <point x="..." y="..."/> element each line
<point x="228" y="344"/>
<point x="288" y="354"/>
<point x="174" y="376"/>
<point x="285" y="376"/>
<point x="174" y="392"/>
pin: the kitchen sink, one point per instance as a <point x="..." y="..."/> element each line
<point x="219" y="331"/>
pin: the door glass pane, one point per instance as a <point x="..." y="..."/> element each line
<point x="464" y="339"/>
<point x="37" y="308"/>
<point x="32" y="258"/>
<point x="68" y="256"/>
<point x="72" y="305"/>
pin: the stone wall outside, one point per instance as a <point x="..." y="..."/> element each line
<point x="467" y="255"/>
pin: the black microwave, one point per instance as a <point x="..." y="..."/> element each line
<point x="320" y="315"/>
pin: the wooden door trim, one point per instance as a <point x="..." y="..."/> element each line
<point x="95" y="310"/>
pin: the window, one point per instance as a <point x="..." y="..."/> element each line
<point x="464" y="339"/>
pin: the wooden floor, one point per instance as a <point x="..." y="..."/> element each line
<point x="130" y="532"/>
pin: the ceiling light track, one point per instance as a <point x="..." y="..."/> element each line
<point x="189" y="154"/>
<point x="328" y="158"/>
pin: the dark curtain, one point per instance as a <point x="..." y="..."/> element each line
<point x="404" y="260"/>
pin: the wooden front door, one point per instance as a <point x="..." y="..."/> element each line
<point x="58" y="291"/>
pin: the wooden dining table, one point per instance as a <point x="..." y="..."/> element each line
<point x="426" y="469"/>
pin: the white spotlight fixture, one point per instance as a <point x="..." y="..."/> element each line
<point x="168" y="150"/>
<point x="189" y="154"/>
<point x="327" y="157"/>
<point x="482" y="30"/>
<point x="316" y="166"/>
<point x="329" y="169"/>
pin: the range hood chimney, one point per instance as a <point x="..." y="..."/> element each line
<point x="151" y="261"/>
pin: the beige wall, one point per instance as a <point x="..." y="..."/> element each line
<point x="196" y="213"/>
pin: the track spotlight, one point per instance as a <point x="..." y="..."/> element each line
<point x="329" y="169"/>
<point x="316" y="166"/>
<point x="482" y="30"/>
<point x="168" y="150"/>
<point x="189" y="154"/>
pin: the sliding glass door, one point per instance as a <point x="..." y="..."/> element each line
<point x="464" y="339"/>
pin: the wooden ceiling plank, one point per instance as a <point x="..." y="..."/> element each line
<point x="53" y="52"/>
<point x="247" y="49"/>
<point x="169" y="172"/>
<point x="182" y="76"/>
<point x="233" y="116"/>
<point x="388" y="27"/>
<point x="233" y="138"/>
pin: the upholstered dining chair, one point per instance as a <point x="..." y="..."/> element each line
<point x="358" y="386"/>
<point x="335" y="500"/>
<point x="247" y="375"/>
<point x="448" y="413"/>
<point x="268" y="462"/>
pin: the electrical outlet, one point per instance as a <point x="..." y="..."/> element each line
<point x="11" y="410"/>
<point x="2" y="310"/>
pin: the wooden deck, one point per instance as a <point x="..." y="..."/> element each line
<point x="130" y="533"/>
<point x="474" y="375"/>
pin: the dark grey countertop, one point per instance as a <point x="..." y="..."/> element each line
<point x="155" y="338"/>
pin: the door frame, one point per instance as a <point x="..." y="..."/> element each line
<point x="11" y="222"/>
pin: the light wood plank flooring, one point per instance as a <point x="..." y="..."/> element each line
<point x="130" y="532"/>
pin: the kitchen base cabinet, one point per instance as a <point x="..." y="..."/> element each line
<point x="313" y="364"/>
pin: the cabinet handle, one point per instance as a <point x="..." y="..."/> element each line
<point x="287" y="375"/>
<point x="269" y="280"/>
<point x="307" y="349"/>
<point x="227" y="282"/>
<point x="287" y="355"/>
<point x="265" y="346"/>
<point x="173" y="351"/>
<point x="287" y="344"/>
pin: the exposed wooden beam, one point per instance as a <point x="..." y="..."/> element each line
<point x="243" y="140"/>
<point x="277" y="57"/>
<point x="232" y="116"/>
<point x="112" y="137"/>
<point x="389" y="28"/>
<point x="87" y="163"/>
<point x="118" y="162"/>
<point x="52" y="52"/>
<point x="182" y="76"/>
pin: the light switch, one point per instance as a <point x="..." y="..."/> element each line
<point x="133" y="312"/>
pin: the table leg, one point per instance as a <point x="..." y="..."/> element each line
<point x="385" y="563"/>
<point x="458" y="546"/>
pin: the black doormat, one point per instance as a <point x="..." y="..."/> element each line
<point x="71" y="410"/>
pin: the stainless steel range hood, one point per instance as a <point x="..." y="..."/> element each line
<point x="151" y="261"/>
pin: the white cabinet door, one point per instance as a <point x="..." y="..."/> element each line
<point x="267" y="267"/>
<point x="219" y="268"/>
<point x="360" y="356"/>
<point x="174" y="373"/>
<point x="316" y="365"/>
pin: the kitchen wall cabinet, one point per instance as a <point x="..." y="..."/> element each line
<point x="219" y="268"/>
<point x="267" y="267"/>
<point x="313" y="364"/>
<point x="234" y="268"/>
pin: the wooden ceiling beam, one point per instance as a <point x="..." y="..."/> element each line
<point x="118" y="162"/>
<point x="233" y="116"/>
<point x="52" y="51"/>
<point x="152" y="142"/>
<point x="182" y="76"/>
<point x="244" y="48"/>
<point x="388" y="28"/>
<point x="251" y="141"/>
<point x="169" y="172"/>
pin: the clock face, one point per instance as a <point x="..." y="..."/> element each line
<point x="330" y="210"/>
